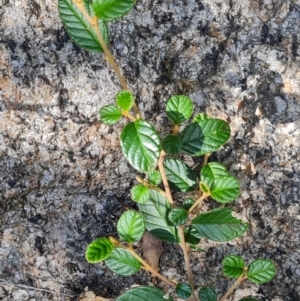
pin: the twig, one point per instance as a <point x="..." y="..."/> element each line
<point x="233" y="287"/>
<point x="164" y="177"/>
<point x="146" y="266"/>
<point x="187" y="261"/>
<point x="36" y="288"/>
<point x="180" y="229"/>
<point x="204" y="196"/>
<point x="108" y="56"/>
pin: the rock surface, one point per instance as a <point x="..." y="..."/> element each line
<point x="63" y="179"/>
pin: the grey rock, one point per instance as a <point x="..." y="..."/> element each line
<point x="280" y="105"/>
<point x="58" y="162"/>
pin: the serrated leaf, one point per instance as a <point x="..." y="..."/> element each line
<point x="109" y="10"/>
<point x="225" y="189"/>
<point x="155" y="212"/>
<point x="79" y="27"/>
<point x="201" y="116"/>
<point x="261" y="271"/>
<point x="110" y="114"/>
<point x="183" y="290"/>
<point x="141" y="145"/>
<point x="125" y="100"/>
<point x="233" y="266"/>
<point x="98" y="250"/>
<point x="212" y="171"/>
<point x="188" y="203"/>
<point x="178" y="216"/>
<point x="144" y="293"/>
<point x="207" y="293"/>
<point x="180" y="176"/>
<point x="131" y="226"/>
<point x="205" y="136"/>
<point x="191" y="235"/>
<point x="179" y="109"/>
<point x="219" y="225"/>
<point x="172" y="144"/>
<point x="154" y="177"/>
<point x="140" y="193"/>
<point x="216" y="181"/>
<point x="121" y="262"/>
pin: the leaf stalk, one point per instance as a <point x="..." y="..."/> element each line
<point x="147" y="184"/>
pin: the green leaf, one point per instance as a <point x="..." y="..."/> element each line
<point x="98" y="250"/>
<point x="172" y="144"/>
<point x="154" y="177"/>
<point x="109" y="10"/>
<point x="131" y="226"/>
<point x="261" y="271"/>
<point x="180" y="176"/>
<point x="222" y="187"/>
<point x="122" y="262"/>
<point x="219" y="225"/>
<point x="188" y="203"/>
<point x="204" y="188"/>
<point x="191" y="235"/>
<point x="88" y="7"/>
<point x="205" y="136"/>
<point x="140" y="193"/>
<point x="178" y="216"/>
<point x="248" y="299"/>
<point x="78" y="26"/>
<point x="183" y="290"/>
<point x="207" y="294"/>
<point x="212" y="171"/>
<point x="144" y="293"/>
<point x="110" y="114"/>
<point x="201" y="116"/>
<point x="233" y="266"/>
<point x="179" y="109"/>
<point x="141" y="145"/>
<point x="225" y="189"/>
<point x="155" y="213"/>
<point x="125" y="100"/>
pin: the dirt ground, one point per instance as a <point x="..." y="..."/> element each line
<point x="63" y="180"/>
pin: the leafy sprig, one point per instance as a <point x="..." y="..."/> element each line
<point x="159" y="160"/>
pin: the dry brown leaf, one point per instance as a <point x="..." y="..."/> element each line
<point x="250" y="168"/>
<point x="240" y="105"/>
<point x="152" y="249"/>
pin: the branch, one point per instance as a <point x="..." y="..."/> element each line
<point x="187" y="261"/>
<point x="164" y="177"/>
<point x="146" y="266"/>
<point x="204" y="196"/>
<point x="233" y="287"/>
